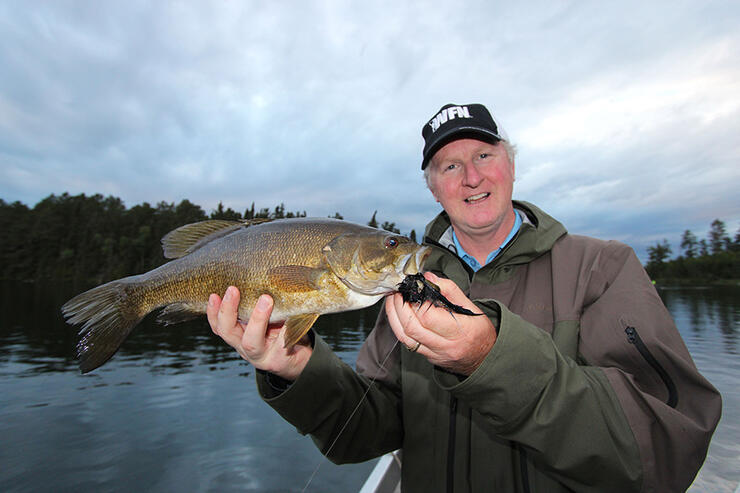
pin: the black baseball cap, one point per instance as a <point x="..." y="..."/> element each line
<point x="453" y="122"/>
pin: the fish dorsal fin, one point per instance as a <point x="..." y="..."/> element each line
<point x="297" y="326"/>
<point x="188" y="238"/>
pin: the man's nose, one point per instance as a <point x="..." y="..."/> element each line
<point x="471" y="178"/>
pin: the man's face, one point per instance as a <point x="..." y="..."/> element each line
<point x="473" y="180"/>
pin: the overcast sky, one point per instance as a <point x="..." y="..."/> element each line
<point x="626" y="114"/>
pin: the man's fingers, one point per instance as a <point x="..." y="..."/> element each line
<point x="408" y="316"/>
<point x="227" y="312"/>
<point x="447" y="287"/>
<point x="226" y="317"/>
<point x="391" y="311"/>
<point x="214" y="303"/>
<point x="405" y="324"/>
<point x="254" y="337"/>
<point x="450" y="290"/>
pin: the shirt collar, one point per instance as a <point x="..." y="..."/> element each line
<point x="469" y="259"/>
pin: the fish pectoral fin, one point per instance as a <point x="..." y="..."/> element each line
<point x="297" y="326"/>
<point x="178" y="312"/>
<point x="295" y="278"/>
<point x="188" y="238"/>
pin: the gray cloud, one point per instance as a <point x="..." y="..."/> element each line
<point x="626" y="115"/>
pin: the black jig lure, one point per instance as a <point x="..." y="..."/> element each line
<point x="416" y="289"/>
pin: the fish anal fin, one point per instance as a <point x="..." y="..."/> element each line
<point x="297" y="326"/>
<point x="295" y="278"/>
<point x="179" y="312"/>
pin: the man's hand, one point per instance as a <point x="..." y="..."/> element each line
<point x="458" y="343"/>
<point x="257" y="341"/>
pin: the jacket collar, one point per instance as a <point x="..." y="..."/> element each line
<point x="536" y="236"/>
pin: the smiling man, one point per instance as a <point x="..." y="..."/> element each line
<point x="473" y="181"/>
<point x="575" y="378"/>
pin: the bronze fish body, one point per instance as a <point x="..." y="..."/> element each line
<point x="309" y="266"/>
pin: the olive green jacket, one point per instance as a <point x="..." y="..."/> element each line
<point x="589" y="386"/>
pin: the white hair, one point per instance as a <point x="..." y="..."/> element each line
<point x="508" y="147"/>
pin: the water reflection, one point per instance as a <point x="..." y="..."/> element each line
<point x="34" y="333"/>
<point x="709" y="321"/>
<point x="31" y="328"/>
<point x="176" y="409"/>
<point x="704" y="308"/>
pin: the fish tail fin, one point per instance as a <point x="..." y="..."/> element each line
<point x="108" y="314"/>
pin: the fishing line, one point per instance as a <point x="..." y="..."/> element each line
<point x="362" y="399"/>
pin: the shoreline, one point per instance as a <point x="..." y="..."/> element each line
<point x="673" y="282"/>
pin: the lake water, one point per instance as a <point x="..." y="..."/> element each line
<point x="177" y="410"/>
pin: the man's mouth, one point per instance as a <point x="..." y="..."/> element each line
<point x="477" y="198"/>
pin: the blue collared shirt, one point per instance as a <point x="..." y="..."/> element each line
<point x="471" y="261"/>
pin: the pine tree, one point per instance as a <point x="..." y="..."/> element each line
<point x="659" y="253"/>
<point x="718" y="236"/>
<point x="388" y="226"/>
<point x="689" y="244"/>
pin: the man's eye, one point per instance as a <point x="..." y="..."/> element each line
<point x="483" y="155"/>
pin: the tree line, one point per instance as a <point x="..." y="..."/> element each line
<point x="94" y="239"/>
<point x="714" y="258"/>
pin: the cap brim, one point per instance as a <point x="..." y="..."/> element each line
<point x="458" y="133"/>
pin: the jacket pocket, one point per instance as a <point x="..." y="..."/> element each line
<point x="634" y="338"/>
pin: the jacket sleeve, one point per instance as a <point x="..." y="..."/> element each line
<point x="616" y="420"/>
<point x="350" y="417"/>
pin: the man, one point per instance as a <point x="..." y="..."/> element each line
<point x="576" y="378"/>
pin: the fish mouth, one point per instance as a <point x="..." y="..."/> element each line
<point x="415" y="261"/>
<point x="477" y="198"/>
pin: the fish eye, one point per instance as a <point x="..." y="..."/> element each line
<point x="391" y="242"/>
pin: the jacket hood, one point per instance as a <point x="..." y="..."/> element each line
<point x="538" y="234"/>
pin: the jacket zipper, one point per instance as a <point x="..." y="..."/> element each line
<point x="453" y="407"/>
<point x="451" y="445"/>
<point x="452" y="430"/>
<point x="523" y="469"/>
<point x="634" y="338"/>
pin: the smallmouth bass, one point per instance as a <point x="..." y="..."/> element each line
<point x="309" y="266"/>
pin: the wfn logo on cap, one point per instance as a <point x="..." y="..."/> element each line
<point x="449" y="114"/>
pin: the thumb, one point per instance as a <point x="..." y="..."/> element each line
<point x="449" y="290"/>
